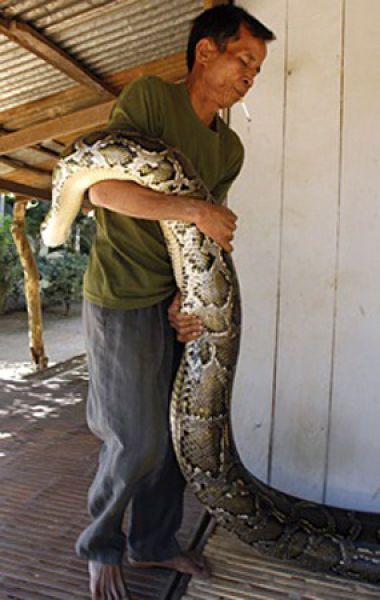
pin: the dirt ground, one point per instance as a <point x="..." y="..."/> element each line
<point x="62" y="336"/>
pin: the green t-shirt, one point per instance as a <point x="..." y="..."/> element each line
<point x="129" y="266"/>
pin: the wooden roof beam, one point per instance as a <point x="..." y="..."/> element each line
<point x="24" y="190"/>
<point x="23" y="167"/>
<point x="93" y="117"/>
<point x="171" y="67"/>
<point x="43" y="151"/>
<point x="24" y="35"/>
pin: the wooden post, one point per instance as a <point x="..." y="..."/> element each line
<point x="32" y="286"/>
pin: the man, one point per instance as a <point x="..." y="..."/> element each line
<point x="131" y="307"/>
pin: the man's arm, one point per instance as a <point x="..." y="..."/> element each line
<point x="133" y="200"/>
<point x="129" y="198"/>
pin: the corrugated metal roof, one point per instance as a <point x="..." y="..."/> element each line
<point x="104" y="36"/>
<point x="25" y="77"/>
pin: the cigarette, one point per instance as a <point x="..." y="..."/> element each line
<point x="245" y="111"/>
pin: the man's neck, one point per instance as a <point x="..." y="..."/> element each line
<point x="205" y="109"/>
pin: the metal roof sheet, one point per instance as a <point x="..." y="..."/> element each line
<point x="105" y="36"/>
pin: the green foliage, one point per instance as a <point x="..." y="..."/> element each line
<point x="82" y="232"/>
<point x="10" y="267"/>
<point x="35" y="214"/>
<point x="87" y="228"/>
<point x="61" y="270"/>
<point x="6" y="240"/>
<point x="61" y="276"/>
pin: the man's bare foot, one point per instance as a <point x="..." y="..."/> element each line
<point x="107" y="582"/>
<point x="186" y="562"/>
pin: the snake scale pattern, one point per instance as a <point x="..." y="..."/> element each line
<point x="317" y="536"/>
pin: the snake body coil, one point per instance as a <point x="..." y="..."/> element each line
<point x="276" y="524"/>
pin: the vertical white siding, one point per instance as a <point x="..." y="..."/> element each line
<point x="308" y="249"/>
<point x="256" y="197"/>
<point x="306" y="407"/>
<point x="354" y="466"/>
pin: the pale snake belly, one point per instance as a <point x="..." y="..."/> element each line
<point x="276" y="524"/>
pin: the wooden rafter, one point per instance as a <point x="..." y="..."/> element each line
<point x="45" y="152"/>
<point x="23" y="167"/>
<point x="24" y="190"/>
<point x="24" y="35"/>
<point x="48" y="152"/>
<point x="37" y="148"/>
<point x="95" y="116"/>
<point x="172" y="68"/>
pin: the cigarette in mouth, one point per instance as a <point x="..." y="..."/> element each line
<point x="245" y="111"/>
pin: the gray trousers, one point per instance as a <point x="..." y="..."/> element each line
<point x="132" y="360"/>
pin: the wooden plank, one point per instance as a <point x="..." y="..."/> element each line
<point x="353" y="475"/>
<point x="170" y="68"/>
<point x="95" y="116"/>
<point x="22" y="167"/>
<point x="30" y="178"/>
<point x="24" y="190"/>
<point x="24" y="35"/>
<point x="43" y="151"/>
<point x="256" y="198"/>
<point x="239" y="572"/>
<point x="308" y="253"/>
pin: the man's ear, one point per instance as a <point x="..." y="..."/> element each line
<point x="205" y="51"/>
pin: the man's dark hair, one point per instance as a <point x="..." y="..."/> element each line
<point x="222" y="23"/>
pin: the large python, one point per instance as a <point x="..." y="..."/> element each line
<point x="316" y="536"/>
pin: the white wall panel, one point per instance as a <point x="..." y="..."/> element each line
<point x="256" y="197"/>
<point x="306" y="407"/>
<point x="354" y="468"/>
<point x="308" y="253"/>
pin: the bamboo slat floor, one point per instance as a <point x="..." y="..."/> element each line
<point x="47" y="459"/>
<point x="240" y="574"/>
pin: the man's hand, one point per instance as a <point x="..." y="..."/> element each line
<point x="188" y="327"/>
<point x="219" y="223"/>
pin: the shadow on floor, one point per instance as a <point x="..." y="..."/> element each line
<point x="47" y="460"/>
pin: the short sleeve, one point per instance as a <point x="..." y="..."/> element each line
<point x="138" y="107"/>
<point x="221" y="189"/>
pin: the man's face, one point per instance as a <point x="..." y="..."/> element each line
<point x="230" y="74"/>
